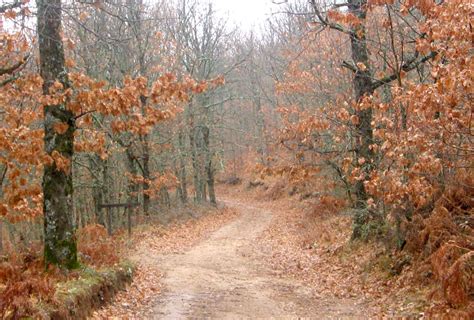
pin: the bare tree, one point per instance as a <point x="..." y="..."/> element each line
<point x="203" y="42"/>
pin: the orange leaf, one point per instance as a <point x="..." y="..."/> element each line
<point x="60" y="127"/>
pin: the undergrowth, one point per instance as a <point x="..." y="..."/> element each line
<point x="24" y="283"/>
<point x="425" y="261"/>
<point x="26" y="286"/>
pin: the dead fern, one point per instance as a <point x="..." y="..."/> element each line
<point x="96" y="247"/>
<point x="24" y="284"/>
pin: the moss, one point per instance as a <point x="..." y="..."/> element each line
<point x="69" y="260"/>
<point x="367" y="226"/>
<point x="71" y="246"/>
<point x="76" y="299"/>
<point x="49" y="257"/>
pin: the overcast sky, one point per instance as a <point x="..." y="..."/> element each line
<point x="248" y="14"/>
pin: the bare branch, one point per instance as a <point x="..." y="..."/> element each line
<point x="14" y="5"/>
<point x="349" y="66"/>
<point x="11" y="69"/>
<point x="406" y="67"/>
<point x="7" y="81"/>
<point x="325" y="21"/>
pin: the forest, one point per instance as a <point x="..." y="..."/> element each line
<point x="159" y="161"/>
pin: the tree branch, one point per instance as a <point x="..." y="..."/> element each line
<point x="7" y="81"/>
<point x="349" y="66"/>
<point x="406" y="67"/>
<point x="10" y="70"/>
<point x="14" y="5"/>
<point x="325" y="21"/>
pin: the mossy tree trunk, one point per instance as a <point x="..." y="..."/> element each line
<point x="59" y="243"/>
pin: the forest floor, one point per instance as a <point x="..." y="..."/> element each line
<point x="222" y="274"/>
<point x="222" y="278"/>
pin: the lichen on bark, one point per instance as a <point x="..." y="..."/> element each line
<point x="60" y="244"/>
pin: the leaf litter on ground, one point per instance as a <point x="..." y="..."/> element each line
<point x="138" y="300"/>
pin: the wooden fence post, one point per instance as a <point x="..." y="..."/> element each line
<point x="109" y="221"/>
<point x="129" y="207"/>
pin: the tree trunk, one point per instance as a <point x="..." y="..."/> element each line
<point x="132" y="188"/>
<point x="137" y="14"/>
<point x="362" y="83"/>
<point x="105" y="189"/>
<point x="202" y="183"/>
<point x="208" y="164"/>
<point x="363" y="87"/>
<point x="183" y="185"/>
<point x="165" y="197"/>
<point x="98" y="200"/>
<point x="261" y="129"/>
<point x="193" y="137"/>
<point x="146" y="175"/>
<point x="60" y="243"/>
<point x="99" y="189"/>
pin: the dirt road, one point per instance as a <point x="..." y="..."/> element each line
<point x="223" y="278"/>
